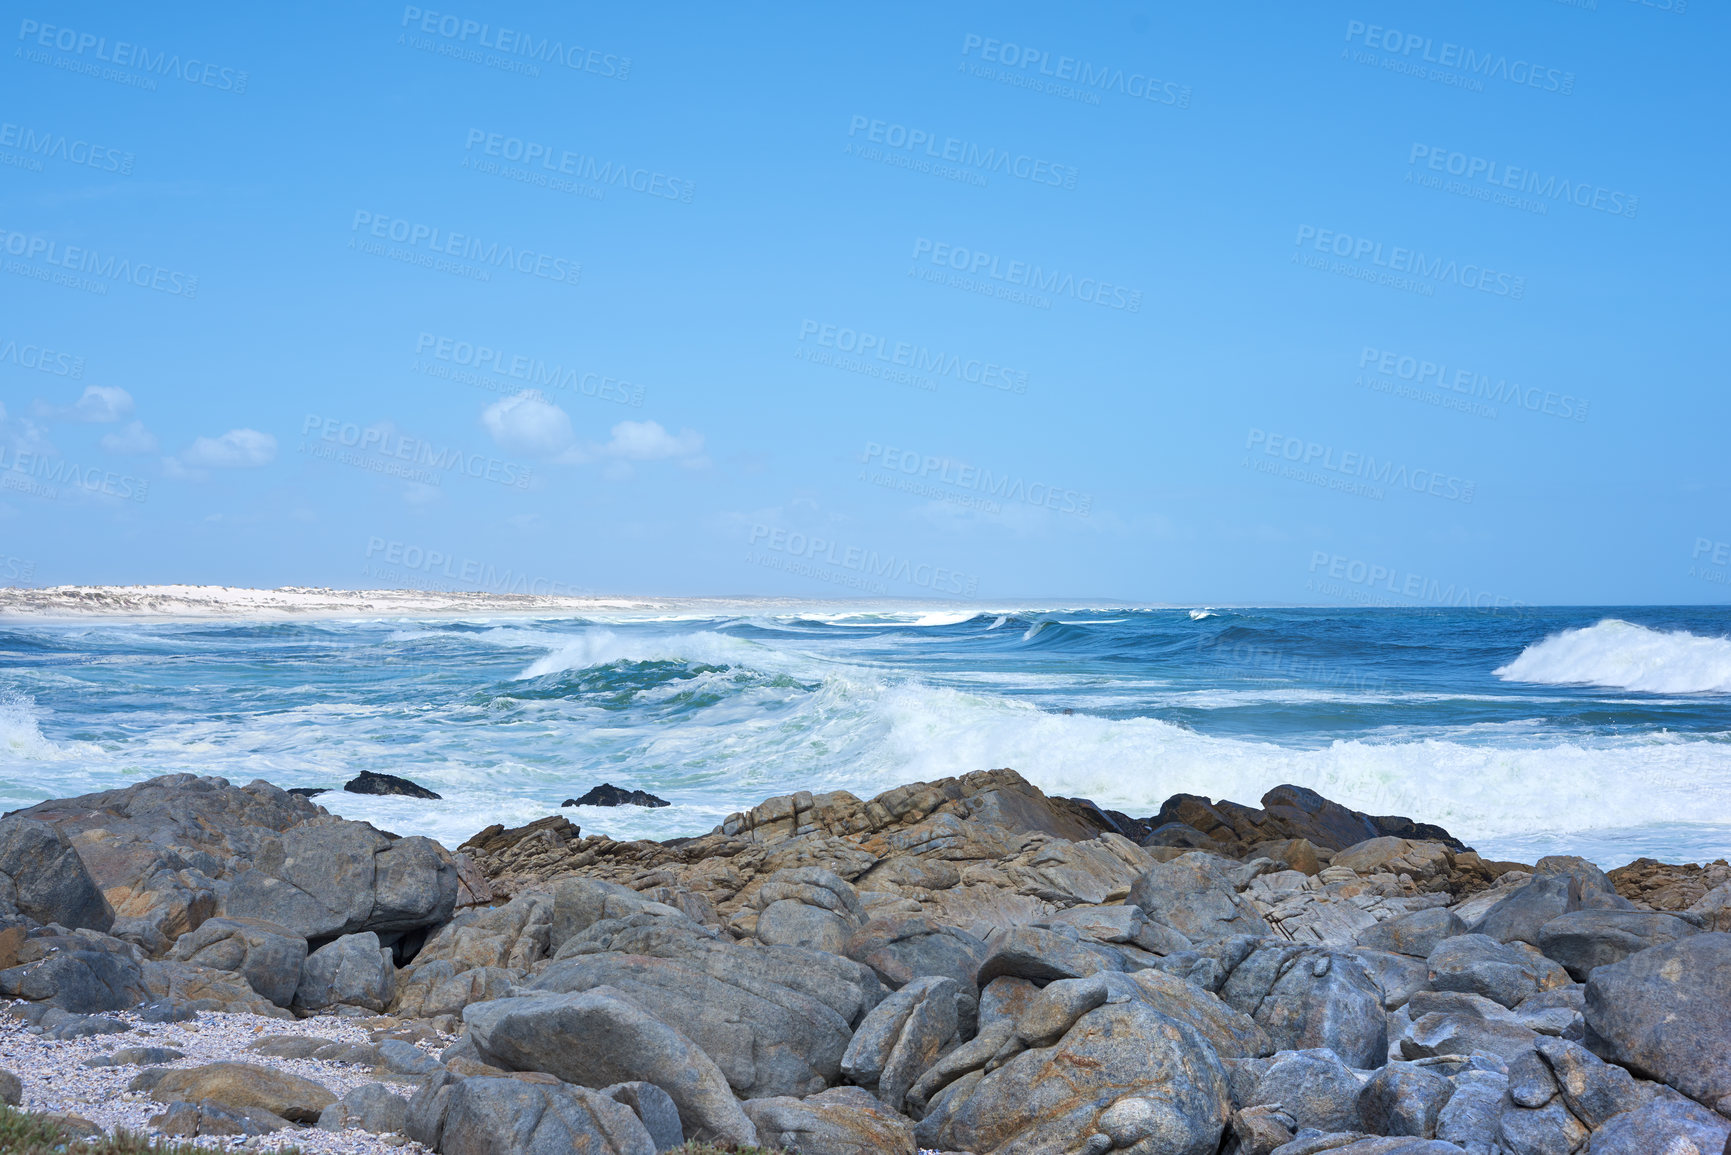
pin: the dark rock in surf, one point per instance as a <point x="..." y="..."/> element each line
<point x="370" y="783"/>
<point x="608" y="794"/>
<point x="309" y="791"/>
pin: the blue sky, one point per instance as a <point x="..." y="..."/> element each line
<point x="1339" y="303"/>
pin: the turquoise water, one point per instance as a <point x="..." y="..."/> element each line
<point x="1606" y="733"/>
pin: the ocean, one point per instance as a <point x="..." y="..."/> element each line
<point x="1604" y="732"/>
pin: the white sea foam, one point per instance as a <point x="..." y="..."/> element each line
<point x="1198" y="615"/>
<point x="1626" y="656"/>
<point x="598" y="647"/>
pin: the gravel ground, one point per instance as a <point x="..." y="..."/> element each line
<point x="55" y="1079"/>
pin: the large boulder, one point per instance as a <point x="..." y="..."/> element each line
<point x="903" y="1036"/>
<point x="353" y="971"/>
<point x="83" y="973"/>
<point x="369" y="1107"/>
<point x="169" y="852"/>
<point x="1314" y="1087"/>
<point x="1456" y="1023"/>
<point x="1481" y="965"/>
<point x="517" y="934"/>
<point x="841" y="1121"/>
<point x="1665" y="1127"/>
<point x="267" y="956"/>
<point x="1415" y="934"/>
<point x="601" y="1037"/>
<point x="1664" y="1013"/>
<point x="1124" y="1072"/>
<point x="1041" y="955"/>
<point x="1403" y="1099"/>
<point x="903" y="949"/>
<point x="489" y="1116"/>
<point x="807" y="906"/>
<point x="245" y="1085"/>
<point x="1307" y="997"/>
<point x="41" y="876"/>
<point x="1197" y="895"/>
<point x="1584" y="939"/>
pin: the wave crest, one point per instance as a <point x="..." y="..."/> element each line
<point x="1625" y="656"/>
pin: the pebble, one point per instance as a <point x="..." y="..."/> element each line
<point x="56" y="1079"/>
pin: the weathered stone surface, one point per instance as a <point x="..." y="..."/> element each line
<point x="601" y="1037"/>
<point x="1531" y="1083"/>
<point x="511" y="1117"/>
<point x="1664" y="1013"/>
<point x="1453" y="1023"/>
<point x="1398" y="976"/>
<point x="1424" y="862"/>
<point x="1259" y="1130"/>
<point x="209" y="1118"/>
<point x="369" y="1107"/>
<point x="517" y="934"/>
<point x="1667" y="1127"/>
<point x="1313" y="1086"/>
<point x="807" y="906"/>
<point x="11" y="1089"/>
<point x="371" y="782"/>
<point x="841" y="1121"/>
<point x="1481" y="965"/>
<point x="1593" y="1089"/>
<point x="266" y="955"/>
<point x="608" y="794"/>
<point x="42" y="877"/>
<point x="654" y="1108"/>
<point x="902" y="1037"/>
<point x="180" y="990"/>
<point x="1547" y="1130"/>
<point x="1229" y="1031"/>
<point x="424" y="992"/>
<point x="1417" y="933"/>
<point x="353" y="971"/>
<point x="1123" y="1071"/>
<point x="242" y="1085"/>
<point x="901" y="950"/>
<point x="1307" y="997"/>
<point x="1584" y="939"/>
<point x="1196" y="894"/>
<point x="1653" y="885"/>
<point x="1040" y="956"/>
<point x="1403" y="1099"/>
<point x="1124" y="924"/>
<point x="1472" y="1116"/>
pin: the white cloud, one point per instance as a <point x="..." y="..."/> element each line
<point x="529" y="424"/>
<point x="100" y="404"/>
<point x="635" y="441"/>
<point x="236" y="449"/>
<point x="135" y="438"/>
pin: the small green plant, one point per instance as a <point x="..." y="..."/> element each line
<point x="22" y="1133"/>
<point x="696" y="1148"/>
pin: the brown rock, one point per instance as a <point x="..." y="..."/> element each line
<point x="244" y="1085"/>
<point x="1668" y="886"/>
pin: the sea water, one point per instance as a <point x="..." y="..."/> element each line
<point x="1600" y="732"/>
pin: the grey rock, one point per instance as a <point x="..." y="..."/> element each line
<point x="535" y="1033"/>
<point x="1259" y="1130"/>
<point x="353" y="971"/>
<point x="286" y="1046"/>
<point x="1663" y="1013"/>
<point x="1594" y="1090"/>
<point x="1448" y="1023"/>
<point x="1529" y="907"/>
<point x="901" y="950"/>
<point x="1471" y="1116"/>
<point x="1668" y="1127"/>
<point x="44" y="878"/>
<point x="579" y="903"/>
<point x="353" y="1054"/>
<point x="371" y="782"/>
<point x="768" y="1038"/>
<point x="404" y="1058"/>
<point x="1584" y="939"/>
<point x="64" y="1025"/>
<point x="1232" y="1033"/>
<point x="1313" y="1086"/>
<point x="1307" y="997"/>
<point x="266" y="955"/>
<point x="1403" y="1099"/>
<point x="1196" y="894"/>
<point x="1415" y="934"/>
<point x="902" y="1037"/>
<point x="437" y="988"/>
<point x="654" y="1108"/>
<point x="1122" y="924"/>
<point x="1142" y="1080"/>
<point x="210" y="1118"/>
<point x="1371" y="1145"/>
<point x="1038" y="955"/>
<point x="1547" y="1130"/>
<point x="841" y="1121"/>
<point x="136" y="1057"/>
<point x="11" y="1089"/>
<point x="517" y="934"/>
<point x="369" y="1107"/>
<point x="166" y="1011"/>
<point x="79" y="980"/>
<point x="513" y="1117"/>
<point x="1530" y="1081"/>
<point x="807" y="906"/>
<point x="1481" y="965"/>
<point x="1398" y="976"/>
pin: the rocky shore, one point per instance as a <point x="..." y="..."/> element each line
<point x="966" y="965"/>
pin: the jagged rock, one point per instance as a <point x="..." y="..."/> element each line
<point x="517" y="934"/>
<point x="1403" y="1099"/>
<point x="1312" y="1086"/>
<point x="902" y="1036"/>
<point x="1184" y="836"/>
<point x="369" y="1107"/>
<point x="654" y="1108"/>
<point x="1559" y="885"/>
<point x="42" y="877"/>
<point x="1451" y="1023"/>
<point x="1663" y="1013"/>
<point x="266" y="955"/>
<point x="1417" y="933"/>
<point x="1713" y="910"/>
<point x="1593" y="1089"/>
<point x="1260" y="1130"/>
<point x="840" y="1121"/>
<point x="1196" y="894"/>
<point x="244" y="1085"/>
<point x="1665" y="1127"/>
<point x="437" y="988"/>
<point x="535" y="1033"/>
<point x="1655" y="885"/>
<point x="83" y="973"/>
<point x="1584" y="939"/>
<point x="1398" y="976"/>
<point x="180" y="990"/>
<point x="485" y="1116"/>
<point x="368" y="782"/>
<point x="1481" y="965"/>
<point x="1425" y="862"/>
<point x="1307" y="997"/>
<point x="608" y="794"/>
<point x="1121" y="924"/>
<point x="1123" y="1071"/>
<point x="901" y="950"/>
<point x="352" y="971"/>
<point x="1232" y="1033"/>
